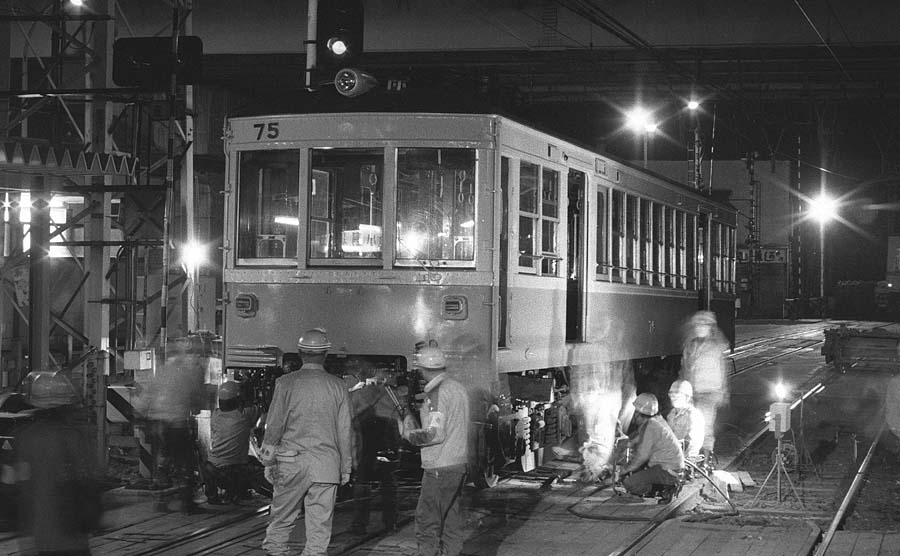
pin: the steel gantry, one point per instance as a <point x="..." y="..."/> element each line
<point x="92" y="204"/>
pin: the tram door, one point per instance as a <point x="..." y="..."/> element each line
<point x="575" y="256"/>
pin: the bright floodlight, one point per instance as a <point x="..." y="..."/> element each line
<point x="823" y="208"/>
<point x="693" y="105"/>
<point x="77" y="3"/>
<point x="640" y="120"/>
<point x="781" y="390"/>
<point x="193" y="255"/>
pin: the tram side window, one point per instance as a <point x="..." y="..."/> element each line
<point x="690" y="242"/>
<point x="436" y="194"/>
<point x="617" y="233"/>
<point x="602" y="234"/>
<point x="669" y="214"/>
<point x="538" y="220"/>
<point x="345" y="205"/>
<point x="659" y="236"/>
<point x="646" y="241"/>
<point x="631" y="231"/>
<point x="680" y="252"/>
<point x="715" y="249"/>
<point x="268" y="194"/>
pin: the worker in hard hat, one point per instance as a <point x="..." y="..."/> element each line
<point x="174" y="396"/>
<point x="377" y="414"/>
<point x="657" y="464"/>
<point x="703" y="365"/>
<point x="55" y="470"/>
<point x="230" y="425"/>
<point x="442" y="436"/>
<point x="306" y="448"/>
<point x="685" y="420"/>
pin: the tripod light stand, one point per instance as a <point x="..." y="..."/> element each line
<point x="779" y="424"/>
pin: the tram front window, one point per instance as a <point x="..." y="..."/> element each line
<point x="267" y="204"/>
<point x="436" y="192"/>
<point x="345" y="205"/>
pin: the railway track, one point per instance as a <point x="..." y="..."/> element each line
<point x="823" y="479"/>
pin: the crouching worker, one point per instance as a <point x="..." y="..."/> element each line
<point x="686" y="420"/>
<point x="226" y="466"/>
<point x="658" y="461"/>
<point x="443" y="438"/>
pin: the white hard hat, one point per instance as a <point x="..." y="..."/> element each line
<point x="431" y="358"/>
<point x="681" y="387"/>
<point x="314" y="341"/>
<point x="646" y="404"/>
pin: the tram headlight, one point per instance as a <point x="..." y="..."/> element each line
<point x="352" y="82"/>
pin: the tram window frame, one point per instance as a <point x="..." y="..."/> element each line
<point x="263" y="230"/>
<point x="632" y="239"/>
<point x="690" y="241"/>
<point x="659" y="239"/>
<point x="680" y="261"/>
<point x="602" y="235"/>
<point x="357" y="161"/>
<point x="646" y="240"/>
<point x="448" y="238"/>
<point x="669" y="223"/>
<point x="617" y="235"/>
<point x="716" y="255"/>
<point x="539" y="206"/>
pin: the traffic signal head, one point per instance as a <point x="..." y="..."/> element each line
<point x="350" y="82"/>
<point x="339" y="31"/>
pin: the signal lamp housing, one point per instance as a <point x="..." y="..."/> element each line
<point x="351" y="82"/>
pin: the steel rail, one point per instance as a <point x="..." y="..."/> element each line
<point x="850" y="496"/>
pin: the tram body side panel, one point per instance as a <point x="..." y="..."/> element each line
<point x="622" y="324"/>
<point x="372" y="319"/>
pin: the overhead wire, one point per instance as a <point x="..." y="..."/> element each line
<point x="821" y="38"/>
<point x="589" y="10"/>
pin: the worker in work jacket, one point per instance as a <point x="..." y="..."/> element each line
<point x="443" y="438"/>
<point x="658" y="461"/>
<point x="703" y="365"/>
<point x="306" y="449"/>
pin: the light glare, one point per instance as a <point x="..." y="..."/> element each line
<point x="823" y="208"/>
<point x="193" y="254"/>
<point x="781" y="391"/>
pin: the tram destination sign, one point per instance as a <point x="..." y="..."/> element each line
<point x="775" y="255"/>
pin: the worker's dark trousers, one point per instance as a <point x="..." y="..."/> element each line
<point x="439" y="525"/>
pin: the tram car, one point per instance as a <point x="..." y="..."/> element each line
<point x="519" y="253"/>
<point x="887" y="291"/>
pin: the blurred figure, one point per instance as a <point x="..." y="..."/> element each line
<point x="703" y="365"/>
<point x="599" y="393"/>
<point x="376" y="417"/>
<point x="685" y="420"/>
<point x="892" y="406"/>
<point x="226" y="466"/>
<point x="657" y="464"/>
<point x="306" y="448"/>
<point x="443" y="438"/>
<point x="58" y="490"/>
<point x="174" y="396"/>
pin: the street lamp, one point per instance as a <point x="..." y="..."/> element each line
<point x="823" y="208"/>
<point x="640" y="120"/>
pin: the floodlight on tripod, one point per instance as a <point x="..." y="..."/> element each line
<point x="779" y="418"/>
